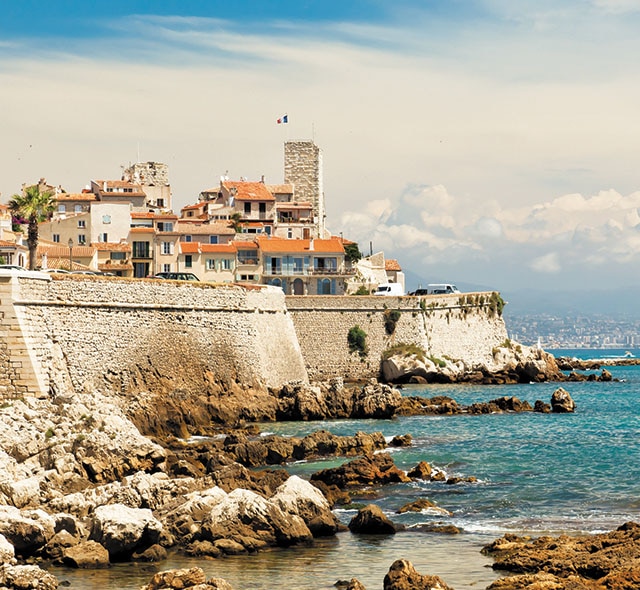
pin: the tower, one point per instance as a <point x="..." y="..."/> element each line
<point x="303" y="169"/>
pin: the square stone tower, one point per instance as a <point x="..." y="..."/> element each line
<point x="303" y="169"/>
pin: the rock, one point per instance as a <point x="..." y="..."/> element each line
<point x="403" y="440"/>
<point x="54" y="549"/>
<point x="366" y="471"/>
<point x="352" y="584"/>
<point x="86" y="555"/>
<point x="444" y="529"/>
<point x="7" y="551"/>
<point x="376" y="400"/>
<point x="421" y="471"/>
<point x="123" y="530"/>
<point x="403" y="576"/>
<point x="178" y="579"/>
<point x="299" y="497"/>
<point x="501" y="404"/>
<point x="541" y="407"/>
<point x="424" y="505"/>
<point x="250" y="519"/>
<point x="26" y="530"/>
<point x="561" y="402"/>
<point x="154" y="553"/>
<point x="611" y="559"/>
<point x="606" y="375"/>
<point x="26" y="577"/>
<point x="370" y="520"/>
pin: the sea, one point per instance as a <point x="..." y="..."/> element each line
<point x="537" y="474"/>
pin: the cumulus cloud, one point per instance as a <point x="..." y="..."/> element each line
<point x="549" y="263"/>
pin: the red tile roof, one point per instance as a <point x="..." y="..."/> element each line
<point x="391" y="264"/>
<point x="111" y="246"/>
<point x="277" y="245"/>
<point x="250" y="191"/>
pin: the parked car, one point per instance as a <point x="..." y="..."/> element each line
<point x="12" y="267"/>
<point x="176" y="276"/>
<point x="60" y="271"/>
<point x="442" y="289"/>
<point x="389" y="289"/>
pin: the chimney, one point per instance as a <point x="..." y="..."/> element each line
<point x="310" y="244"/>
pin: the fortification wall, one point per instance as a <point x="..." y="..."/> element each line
<point x="458" y="327"/>
<point x="130" y="336"/>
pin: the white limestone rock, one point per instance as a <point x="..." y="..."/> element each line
<point x="123" y="530"/>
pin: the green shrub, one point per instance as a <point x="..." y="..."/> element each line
<point x="402" y="349"/>
<point x="438" y="362"/>
<point x="496" y="304"/>
<point x="357" y="341"/>
<point x="362" y="290"/>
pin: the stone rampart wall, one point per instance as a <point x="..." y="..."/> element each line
<point x="135" y="335"/>
<point x="132" y="336"/>
<point x="459" y="327"/>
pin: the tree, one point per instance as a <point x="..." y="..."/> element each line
<point x="32" y="207"/>
<point x="235" y="222"/>
<point x="352" y="252"/>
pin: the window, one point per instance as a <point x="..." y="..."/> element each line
<point x="247" y="208"/>
<point x="167" y="247"/>
<point x="82" y="223"/>
<point x="77" y="208"/>
<point x="211" y="263"/>
<point x="106" y="219"/>
<point x="165" y="226"/>
<point x="103" y="237"/>
<point x="159" y="202"/>
<point x="213" y="239"/>
<point x="62" y="208"/>
<point x="187" y="238"/>
<point x="166" y="268"/>
<point x="118" y="255"/>
<point x="289" y="233"/>
<point x="247" y="256"/>
<point x="141" y="250"/>
<point x="188" y="261"/>
<point x="56" y="238"/>
<point x="82" y="239"/>
<point x="226" y="264"/>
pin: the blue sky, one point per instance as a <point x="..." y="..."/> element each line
<point x="488" y="142"/>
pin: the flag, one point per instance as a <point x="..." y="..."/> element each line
<point x="283" y="119"/>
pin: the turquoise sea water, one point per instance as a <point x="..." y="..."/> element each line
<point x="536" y="473"/>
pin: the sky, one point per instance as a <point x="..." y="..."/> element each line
<point x="483" y="142"/>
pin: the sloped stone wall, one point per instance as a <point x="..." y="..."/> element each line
<point x="135" y="335"/>
<point x="466" y="327"/>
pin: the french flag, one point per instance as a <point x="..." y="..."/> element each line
<point x="283" y="119"/>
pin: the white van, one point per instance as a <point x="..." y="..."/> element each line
<point x="389" y="289"/>
<point x="442" y="289"/>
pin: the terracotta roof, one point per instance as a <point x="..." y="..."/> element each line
<point x="189" y="247"/>
<point x="246" y="245"/>
<point x="332" y="245"/>
<point x="114" y="266"/>
<point x="75" y="197"/>
<point x="5" y="243"/>
<point x="111" y="246"/>
<point x="391" y="264"/>
<point x="250" y="191"/>
<point x="218" y="248"/>
<point x="194" y="206"/>
<point x="150" y="215"/>
<point x="142" y="230"/>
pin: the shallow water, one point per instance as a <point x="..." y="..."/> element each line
<point x="536" y="473"/>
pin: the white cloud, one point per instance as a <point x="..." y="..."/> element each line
<point x="549" y="263"/>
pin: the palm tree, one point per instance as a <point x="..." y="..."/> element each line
<point x="32" y="207"/>
<point x="235" y="222"/>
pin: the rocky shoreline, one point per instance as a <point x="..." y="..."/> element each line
<point x="88" y="479"/>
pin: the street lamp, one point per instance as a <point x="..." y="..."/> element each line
<point x="70" y="253"/>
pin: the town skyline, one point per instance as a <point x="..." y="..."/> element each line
<point x="483" y="142"/>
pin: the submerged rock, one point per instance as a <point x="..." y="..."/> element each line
<point x="370" y="520"/>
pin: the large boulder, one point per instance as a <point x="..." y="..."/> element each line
<point x="403" y="576"/>
<point x="370" y="520"/>
<point x="26" y="530"/>
<point x="254" y="521"/>
<point x="298" y="496"/>
<point x="366" y="471"/>
<point x="123" y="530"/>
<point x="184" y="579"/>
<point x="88" y="554"/>
<point x="561" y="402"/>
